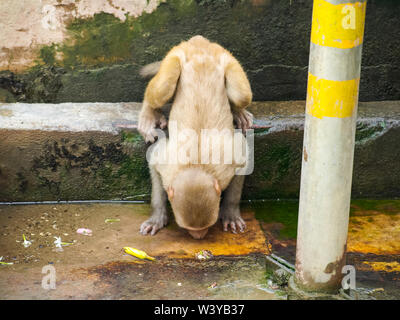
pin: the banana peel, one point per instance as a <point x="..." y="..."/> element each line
<point x="138" y="253"/>
<point x="5" y="263"/>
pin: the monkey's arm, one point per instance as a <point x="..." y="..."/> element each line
<point x="237" y="85"/>
<point x="159" y="217"/>
<point x="160" y="89"/>
<point x="230" y="209"/>
<point x="239" y="93"/>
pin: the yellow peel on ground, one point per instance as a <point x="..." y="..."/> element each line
<point x="138" y="253"/>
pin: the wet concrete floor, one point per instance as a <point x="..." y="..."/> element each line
<point x="96" y="267"/>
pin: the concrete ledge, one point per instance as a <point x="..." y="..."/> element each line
<point x="76" y="151"/>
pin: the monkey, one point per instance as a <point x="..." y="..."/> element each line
<point x="210" y="90"/>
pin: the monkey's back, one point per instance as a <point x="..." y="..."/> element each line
<point x="201" y="101"/>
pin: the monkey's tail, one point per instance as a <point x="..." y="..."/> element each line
<point x="150" y="70"/>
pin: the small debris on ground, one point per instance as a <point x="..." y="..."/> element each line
<point x="26" y="243"/>
<point x="204" y="255"/>
<point x="111" y="220"/>
<point x="212" y="286"/>
<point x="281" y="277"/>
<point x="277" y="279"/>
<point x="59" y="243"/>
<point x="84" y="231"/>
<point x="5" y="263"/>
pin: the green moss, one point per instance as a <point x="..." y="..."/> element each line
<point x="277" y="154"/>
<point x="42" y="83"/>
<point x="366" y="204"/>
<point x="285" y="212"/>
<point x="98" y="169"/>
<point x="128" y="173"/>
<point x="47" y="54"/>
<point x="366" y="132"/>
<point x="369" y="206"/>
<point x="98" y="40"/>
<point x="11" y="87"/>
<point x="280" y="279"/>
<point x="131" y="137"/>
<point x="105" y="40"/>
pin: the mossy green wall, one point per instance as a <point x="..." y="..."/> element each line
<point x="101" y="55"/>
<point x="40" y="165"/>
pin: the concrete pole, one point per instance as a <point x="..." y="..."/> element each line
<point x="328" y="149"/>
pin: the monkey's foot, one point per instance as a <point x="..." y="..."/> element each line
<point x="148" y="121"/>
<point x="231" y="218"/>
<point x="152" y="225"/>
<point x="243" y="119"/>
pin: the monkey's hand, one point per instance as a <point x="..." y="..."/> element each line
<point x="243" y="119"/>
<point x="149" y="120"/>
<point x="231" y="218"/>
<point x="155" y="223"/>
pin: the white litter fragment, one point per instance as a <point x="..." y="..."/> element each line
<point x="204" y="255"/>
<point x="26" y="243"/>
<point x="6" y="263"/>
<point x="59" y="243"/>
<point x="84" y="231"/>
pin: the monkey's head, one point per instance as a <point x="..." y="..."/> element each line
<point x="195" y="196"/>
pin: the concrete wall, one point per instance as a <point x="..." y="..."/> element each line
<point x="29" y="25"/>
<point x="89" y="151"/>
<point x="83" y="50"/>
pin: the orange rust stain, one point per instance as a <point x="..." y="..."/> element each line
<point x="177" y="243"/>
<point x="393" y="266"/>
<point x="305" y="154"/>
<point x="18" y="59"/>
<point x="378" y="234"/>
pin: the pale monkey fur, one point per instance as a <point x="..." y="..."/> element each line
<point x="211" y="91"/>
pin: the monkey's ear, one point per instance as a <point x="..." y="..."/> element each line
<point x="217" y="187"/>
<point x="170" y="193"/>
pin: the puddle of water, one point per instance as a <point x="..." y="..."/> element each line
<point x="373" y="240"/>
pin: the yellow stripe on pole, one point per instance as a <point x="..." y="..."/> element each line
<point x="329" y="98"/>
<point x="339" y="26"/>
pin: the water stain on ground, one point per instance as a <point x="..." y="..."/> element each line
<point x="221" y="278"/>
<point x="373" y="245"/>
